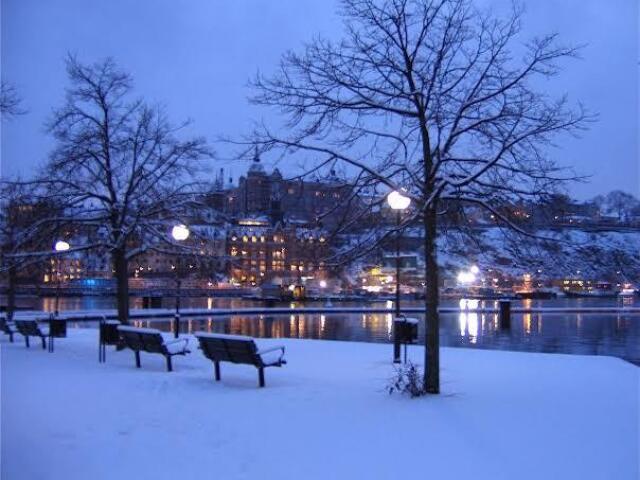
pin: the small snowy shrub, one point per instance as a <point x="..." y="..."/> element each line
<point x="407" y="380"/>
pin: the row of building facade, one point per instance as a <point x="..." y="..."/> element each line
<point x="268" y="229"/>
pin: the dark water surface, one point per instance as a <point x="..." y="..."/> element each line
<point x="590" y="334"/>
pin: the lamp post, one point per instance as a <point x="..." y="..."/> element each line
<point x="179" y="233"/>
<point x="399" y="203"/>
<point x="59" y="247"/>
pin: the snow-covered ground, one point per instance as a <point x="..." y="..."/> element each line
<point x="324" y="415"/>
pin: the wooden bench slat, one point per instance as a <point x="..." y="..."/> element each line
<point x="234" y="349"/>
<point x="31" y="328"/>
<point x="148" y="340"/>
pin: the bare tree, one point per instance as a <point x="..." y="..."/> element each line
<point x="24" y="230"/>
<point x="435" y="97"/>
<point x="621" y="204"/>
<point x="9" y="100"/>
<point x="118" y="167"/>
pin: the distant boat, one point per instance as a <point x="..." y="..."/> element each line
<point x="628" y="291"/>
<point x="597" y="290"/>
<point x="595" y="293"/>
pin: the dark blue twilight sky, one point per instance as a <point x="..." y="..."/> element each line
<point x="196" y="56"/>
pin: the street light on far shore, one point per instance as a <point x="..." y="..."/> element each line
<point x="398" y="202"/>
<point x="61" y="246"/>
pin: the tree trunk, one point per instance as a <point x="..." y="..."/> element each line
<point x="121" y="267"/>
<point x="11" y="291"/>
<point x="432" y="320"/>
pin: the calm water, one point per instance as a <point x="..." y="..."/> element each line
<point x="593" y="334"/>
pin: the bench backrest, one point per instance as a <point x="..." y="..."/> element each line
<point x="148" y="340"/>
<point x="229" y="349"/>
<point x="28" y="328"/>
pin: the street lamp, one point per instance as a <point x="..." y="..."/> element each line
<point x="59" y="247"/>
<point x="399" y="203"/>
<point x="179" y="233"/>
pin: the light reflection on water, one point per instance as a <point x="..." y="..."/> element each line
<point x="590" y="334"/>
<point x="594" y="334"/>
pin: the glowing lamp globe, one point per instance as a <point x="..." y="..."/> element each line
<point x="180" y="232"/>
<point x="61" y="246"/>
<point x="323" y="284"/>
<point x="397" y="201"/>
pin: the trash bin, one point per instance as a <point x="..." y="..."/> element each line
<point x="109" y="332"/>
<point x="406" y="329"/>
<point x="57" y="328"/>
<point x="108" y="336"/>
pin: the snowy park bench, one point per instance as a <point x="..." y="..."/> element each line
<point x="237" y="349"/>
<point x="31" y="328"/>
<point x="8" y="327"/>
<point x="151" y="340"/>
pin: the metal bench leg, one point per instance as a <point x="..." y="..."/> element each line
<point x="261" y="376"/>
<point x="44" y="343"/>
<point x="217" y="370"/>
<point x="11" y="337"/>
<point x="50" y="344"/>
<point x="26" y="340"/>
<point x="169" y="366"/>
<point x="137" y="358"/>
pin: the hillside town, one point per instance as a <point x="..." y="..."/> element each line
<point x="266" y="232"/>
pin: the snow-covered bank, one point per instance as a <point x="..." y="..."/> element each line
<point x="324" y="415"/>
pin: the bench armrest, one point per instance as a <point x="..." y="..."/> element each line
<point x="272" y="349"/>
<point x="173" y="346"/>
<point x="274" y="358"/>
